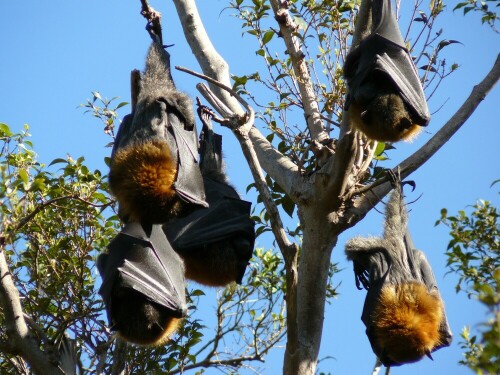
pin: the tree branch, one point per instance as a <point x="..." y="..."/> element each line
<point x="338" y="170"/>
<point x="21" y="341"/>
<point x="286" y="172"/>
<point x="279" y="167"/>
<point x="211" y="63"/>
<point x="288" y="29"/>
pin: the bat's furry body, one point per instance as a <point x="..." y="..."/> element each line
<point x="385" y="98"/>
<point x="403" y="312"/>
<point x="406" y="321"/>
<point x="384" y="119"/>
<point x="215" y="244"/>
<point x="142" y="180"/>
<point x="145" y="157"/>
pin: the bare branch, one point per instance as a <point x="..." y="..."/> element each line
<point x="377" y="367"/>
<point x="119" y="357"/>
<point x="338" y="170"/>
<point x="232" y="362"/>
<point x="284" y="171"/>
<point x="212" y="64"/>
<point x="153" y="17"/>
<point x="288" y="29"/>
<point x="218" y="84"/>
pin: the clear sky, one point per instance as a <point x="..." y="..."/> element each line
<point x="54" y="53"/>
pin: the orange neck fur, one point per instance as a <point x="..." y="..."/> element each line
<point x="406" y="321"/>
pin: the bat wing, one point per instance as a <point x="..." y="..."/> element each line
<point x="189" y="182"/>
<point x="227" y="216"/>
<point x="123" y="132"/>
<point x="144" y="263"/>
<point x="383" y="57"/>
<point x="427" y="277"/>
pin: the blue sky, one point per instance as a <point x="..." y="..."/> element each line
<point x="54" y="53"/>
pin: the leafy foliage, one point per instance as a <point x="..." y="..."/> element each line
<point x="474" y="254"/>
<point x="484" y="7"/>
<point x="56" y="219"/>
<point x="53" y="225"/>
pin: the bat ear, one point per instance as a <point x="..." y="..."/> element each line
<point x="428" y="354"/>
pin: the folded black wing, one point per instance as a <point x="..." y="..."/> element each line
<point x="146" y="264"/>
<point x="381" y="57"/>
<point x="228" y="216"/>
<point x="189" y="182"/>
<point x="427" y="277"/>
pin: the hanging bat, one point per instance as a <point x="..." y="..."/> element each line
<point x="153" y="171"/>
<point x="403" y="312"/>
<point x="215" y="243"/>
<point x="386" y="101"/>
<point x="143" y="285"/>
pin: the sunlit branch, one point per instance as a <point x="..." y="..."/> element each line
<point x="288" y="28"/>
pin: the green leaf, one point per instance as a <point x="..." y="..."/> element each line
<point x="5" y="130"/>
<point x="24" y="176"/>
<point x="57" y="161"/>
<point x="267" y="37"/>
<point x="288" y="205"/>
<point x="122" y="104"/>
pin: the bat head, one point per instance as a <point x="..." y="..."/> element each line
<point x="405" y="323"/>
<point x="384" y="117"/>
<point x="218" y="263"/>
<point x="138" y="320"/>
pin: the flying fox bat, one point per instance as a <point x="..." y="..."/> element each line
<point x="403" y="312"/>
<point x="143" y="285"/>
<point x="153" y="171"/>
<point x="215" y="243"/>
<point x="386" y="100"/>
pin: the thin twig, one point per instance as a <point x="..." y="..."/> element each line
<point x="219" y="84"/>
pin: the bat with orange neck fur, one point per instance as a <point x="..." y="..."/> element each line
<point x="403" y="313"/>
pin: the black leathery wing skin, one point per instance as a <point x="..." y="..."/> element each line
<point x="385" y="99"/>
<point x="143" y="284"/>
<point x="154" y="172"/>
<point x="216" y="243"/>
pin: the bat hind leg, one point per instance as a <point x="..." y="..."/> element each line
<point x="142" y="177"/>
<point x="140" y="321"/>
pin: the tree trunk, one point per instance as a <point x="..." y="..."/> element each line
<point x="301" y="357"/>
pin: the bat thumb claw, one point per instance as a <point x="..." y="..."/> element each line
<point x="411" y="183"/>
